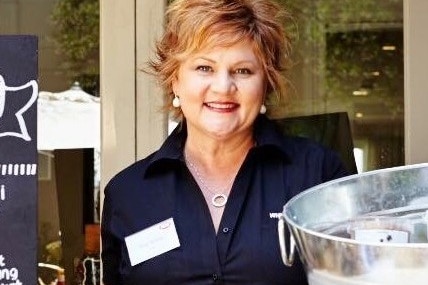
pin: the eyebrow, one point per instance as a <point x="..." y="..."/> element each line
<point x="235" y="63"/>
<point x="204" y="58"/>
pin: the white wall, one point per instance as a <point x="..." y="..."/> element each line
<point x="416" y="80"/>
<point x="117" y="86"/>
<point x="131" y="127"/>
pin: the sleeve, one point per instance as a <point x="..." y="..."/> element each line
<point x="111" y="252"/>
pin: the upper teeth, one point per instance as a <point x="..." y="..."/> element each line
<point x="220" y="105"/>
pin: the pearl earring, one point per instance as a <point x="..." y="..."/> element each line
<point x="263" y="109"/>
<point x="176" y="101"/>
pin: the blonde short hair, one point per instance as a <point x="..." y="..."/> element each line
<point x="192" y="25"/>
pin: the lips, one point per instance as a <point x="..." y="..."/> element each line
<point x="221" y="106"/>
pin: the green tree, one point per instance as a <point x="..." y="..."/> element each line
<point x="76" y="34"/>
<point x="344" y="39"/>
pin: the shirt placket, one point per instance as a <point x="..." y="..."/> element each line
<point x="230" y="219"/>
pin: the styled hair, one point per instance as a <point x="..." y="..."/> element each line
<point x="192" y="25"/>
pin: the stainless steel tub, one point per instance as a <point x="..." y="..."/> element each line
<point x="369" y="228"/>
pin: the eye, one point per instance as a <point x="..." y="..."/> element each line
<point x="243" y="71"/>
<point x="204" y="68"/>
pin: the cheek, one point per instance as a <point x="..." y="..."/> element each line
<point x="194" y="88"/>
<point x="180" y="82"/>
<point x="254" y="91"/>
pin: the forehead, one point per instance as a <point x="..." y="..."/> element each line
<point x="224" y="39"/>
<point x="235" y="51"/>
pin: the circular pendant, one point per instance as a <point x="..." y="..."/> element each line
<point x="219" y="200"/>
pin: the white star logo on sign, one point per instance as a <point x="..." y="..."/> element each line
<point x="23" y="134"/>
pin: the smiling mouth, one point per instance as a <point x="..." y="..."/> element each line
<point x="221" y="106"/>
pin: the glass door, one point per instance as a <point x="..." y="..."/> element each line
<point x="348" y="57"/>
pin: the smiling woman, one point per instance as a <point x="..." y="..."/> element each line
<point x="225" y="169"/>
<point x="189" y="32"/>
<point x="221" y="91"/>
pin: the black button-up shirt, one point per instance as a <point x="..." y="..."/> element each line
<point x="246" y="249"/>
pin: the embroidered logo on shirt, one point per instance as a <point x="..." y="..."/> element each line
<point x="275" y="215"/>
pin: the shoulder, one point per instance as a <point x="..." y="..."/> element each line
<point x="137" y="176"/>
<point x="302" y="153"/>
<point x="314" y="158"/>
<point x="130" y="176"/>
<point x="302" y="143"/>
<point x="305" y="148"/>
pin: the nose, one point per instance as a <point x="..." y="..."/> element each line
<point x="223" y="83"/>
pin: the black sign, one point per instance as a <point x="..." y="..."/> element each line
<point x="18" y="160"/>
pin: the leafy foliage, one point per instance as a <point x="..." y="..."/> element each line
<point x="77" y="36"/>
<point x="341" y="43"/>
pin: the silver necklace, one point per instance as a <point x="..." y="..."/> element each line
<point x="218" y="200"/>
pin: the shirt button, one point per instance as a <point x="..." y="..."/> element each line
<point x="215" y="277"/>
<point x="226" y="230"/>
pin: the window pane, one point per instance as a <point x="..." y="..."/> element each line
<point x="348" y="57"/>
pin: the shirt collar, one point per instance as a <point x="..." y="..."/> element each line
<point x="266" y="134"/>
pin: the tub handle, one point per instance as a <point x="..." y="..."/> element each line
<point x="288" y="259"/>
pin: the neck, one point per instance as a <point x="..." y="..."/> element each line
<point x="214" y="154"/>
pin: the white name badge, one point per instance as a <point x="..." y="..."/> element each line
<point x="152" y="241"/>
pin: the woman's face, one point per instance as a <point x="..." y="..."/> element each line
<point x="221" y="90"/>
